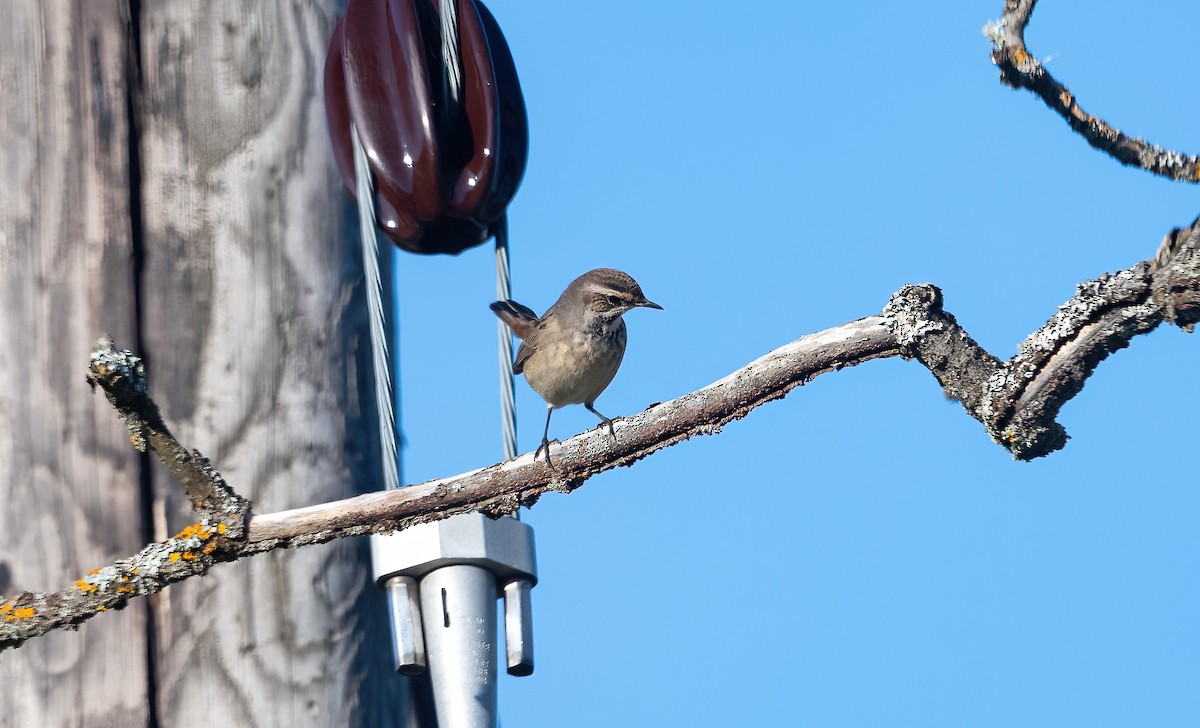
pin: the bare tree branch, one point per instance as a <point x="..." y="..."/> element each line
<point x="1019" y="399"/>
<point x="1016" y="401"/>
<point x="123" y="378"/>
<point x="1019" y="69"/>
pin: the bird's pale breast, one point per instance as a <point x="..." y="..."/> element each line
<point x="575" y="369"/>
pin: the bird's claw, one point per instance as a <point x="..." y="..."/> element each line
<point x="544" y="446"/>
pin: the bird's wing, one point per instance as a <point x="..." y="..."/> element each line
<point x="524" y="323"/>
<point x="528" y="346"/>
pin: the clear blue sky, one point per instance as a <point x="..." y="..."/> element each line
<point x="858" y="554"/>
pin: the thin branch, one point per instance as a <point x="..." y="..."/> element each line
<point x="123" y="378"/>
<point x="1016" y="401"/>
<point x="1019" y="69"/>
<point x="1019" y="399"/>
<point x="218" y="535"/>
<point x="504" y="487"/>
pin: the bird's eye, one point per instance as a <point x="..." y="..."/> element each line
<point x="614" y="300"/>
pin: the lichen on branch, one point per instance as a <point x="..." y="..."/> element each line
<point x="1020" y="69"/>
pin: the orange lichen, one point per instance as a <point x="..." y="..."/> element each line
<point x="6" y="607"/>
<point x="22" y="613"/>
<point x="195" y="530"/>
<point x="222" y="528"/>
<point x="200" y="532"/>
<point x="85" y="587"/>
<point x="93" y="572"/>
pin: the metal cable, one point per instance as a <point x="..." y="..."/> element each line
<point x="379" y="348"/>
<point x="450" y="59"/>
<point x="508" y="407"/>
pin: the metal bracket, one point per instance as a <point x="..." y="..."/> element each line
<point x="455" y="569"/>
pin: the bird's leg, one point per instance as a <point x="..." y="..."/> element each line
<point x="603" y="419"/>
<point x="545" y="438"/>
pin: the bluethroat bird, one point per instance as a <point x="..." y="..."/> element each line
<point x="571" y="353"/>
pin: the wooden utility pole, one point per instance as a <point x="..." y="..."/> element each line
<point x="166" y="177"/>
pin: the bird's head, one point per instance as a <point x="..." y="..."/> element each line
<point x="607" y="293"/>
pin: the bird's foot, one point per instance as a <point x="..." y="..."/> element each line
<point x="611" y="432"/>
<point x="544" y="446"/>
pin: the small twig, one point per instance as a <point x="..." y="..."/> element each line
<point x="1019" y="69"/>
<point x="123" y="378"/>
<point x="1016" y="401"/>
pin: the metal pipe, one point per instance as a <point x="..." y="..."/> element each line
<point x="458" y="610"/>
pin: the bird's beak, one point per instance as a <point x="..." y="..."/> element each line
<point x="649" y="304"/>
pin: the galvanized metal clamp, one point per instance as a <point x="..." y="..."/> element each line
<point x="443" y="580"/>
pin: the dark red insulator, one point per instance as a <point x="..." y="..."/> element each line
<point x="443" y="171"/>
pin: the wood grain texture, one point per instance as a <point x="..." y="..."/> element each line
<point x="68" y="479"/>
<point x="259" y="354"/>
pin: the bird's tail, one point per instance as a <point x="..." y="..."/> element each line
<point x="518" y="318"/>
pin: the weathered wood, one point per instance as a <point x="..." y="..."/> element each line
<point x="257" y="342"/>
<point x="69" y="487"/>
